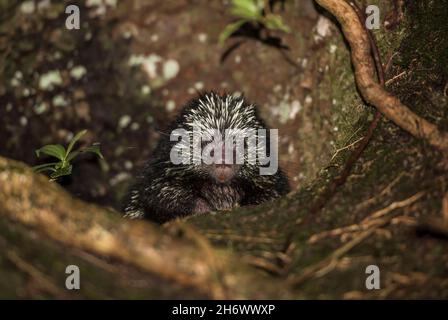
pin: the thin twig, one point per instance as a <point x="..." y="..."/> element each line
<point x="324" y="266"/>
<point x="382" y="193"/>
<point x="327" y="264"/>
<point x="344" y="148"/>
<point x="370" y="220"/>
<point x="398" y="76"/>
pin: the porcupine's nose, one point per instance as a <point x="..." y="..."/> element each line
<point x="226" y="169"/>
<point x="224" y="172"/>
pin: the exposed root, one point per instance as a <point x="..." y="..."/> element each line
<point x="34" y="202"/>
<point x="387" y="190"/>
<point x="375" y="219"/>
<point x="365" y="229"/>
<point x="326" y="265"/>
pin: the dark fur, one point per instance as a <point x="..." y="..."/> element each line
<point x="164" y="191"/>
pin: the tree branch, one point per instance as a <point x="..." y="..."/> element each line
<point x="182" y="255"/>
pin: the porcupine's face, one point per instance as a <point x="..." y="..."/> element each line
<point x="222" y="121"/>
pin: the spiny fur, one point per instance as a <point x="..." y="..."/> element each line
<point x="164" y="191"/>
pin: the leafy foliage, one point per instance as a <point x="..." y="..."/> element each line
<point x="64" y="166"/>
<point x="252" y="11"/>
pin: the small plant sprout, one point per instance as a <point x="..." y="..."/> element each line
<point x="64" y="166"/>
<point x="256" y="11"/>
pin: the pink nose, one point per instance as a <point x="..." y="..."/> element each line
<point x="223" y="172"/>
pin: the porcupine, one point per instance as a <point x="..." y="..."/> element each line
<point x="164" y="190"/>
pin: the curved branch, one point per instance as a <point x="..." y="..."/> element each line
<point x="371" y="91"/>
<point x="189" y="261"/>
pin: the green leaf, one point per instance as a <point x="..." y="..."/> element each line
<point x="250" y="9"/>
<point x="74" y="140"/>
<point x="93" y="149"/>
<point x="45" y="167"/>
<point x="54" y="150"/>
<point x="64" y="171"/>
<point x="245" y="14"/>
<point x="275" y="22"/>
<point x="247" y="9"/>
<point x="72" y="155"/>
<point x="229" y="30"/>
